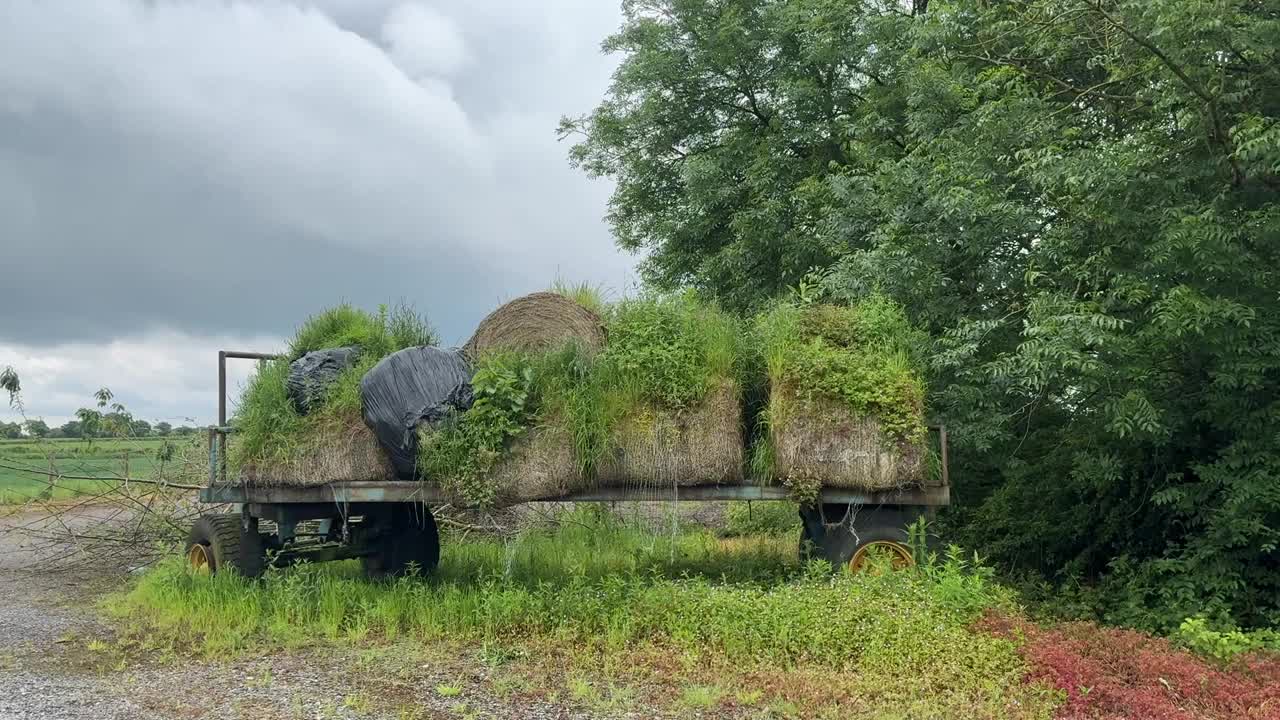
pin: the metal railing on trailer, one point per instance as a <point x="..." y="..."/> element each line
<point x="218" y="433"/>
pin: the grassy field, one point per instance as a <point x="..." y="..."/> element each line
<point x="24" y="464"/>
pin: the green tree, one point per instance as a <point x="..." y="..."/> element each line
<point x="37" y="428"/>
<point x="1079" y="198"/>
<point x="163" y="428"/>
<point x="11" y="431"/>
<point x="139" y="428"/>
<point x="90" y="423"/>
<point x="71" y="429"/>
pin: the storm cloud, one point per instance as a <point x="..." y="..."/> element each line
<point x="191" y="174"/>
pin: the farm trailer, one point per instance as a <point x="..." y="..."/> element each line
<point x="389" y="524"/>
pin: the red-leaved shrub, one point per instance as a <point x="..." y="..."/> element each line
<point x="1110" y="673"/>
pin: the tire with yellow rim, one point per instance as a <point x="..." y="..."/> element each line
<point x="861" y="538"/>
<point x="220" y="543"/>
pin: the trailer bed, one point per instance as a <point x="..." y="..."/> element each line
<point x="405" y="491"/>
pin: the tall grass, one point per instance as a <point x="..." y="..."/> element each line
<point x="602" y="584"/>
<point x="378" y="334"/>
<point x="595" y="587"/>
<point x="592" y="297"/>
<point x="270" y="427"/>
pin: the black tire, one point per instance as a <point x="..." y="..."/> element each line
<point x="839" y="538"/>
<point x="406" y="537"/>
<point x="229" y="546"/>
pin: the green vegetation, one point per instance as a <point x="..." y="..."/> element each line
<point x="664" y="353"/>
<point x="604" y="591"/>
<point x="591" y="297"/>
<point x="461" y="453"/>
<point x="1197" y="635"/>
<point x="378" y="335"/>
<point x="1079" y="200"/>
<point x="745" y="518"/>
<point x="860" y="355"/>
<point x="270" y="427"/>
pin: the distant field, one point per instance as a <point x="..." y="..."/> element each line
<point x="137" y="458"/>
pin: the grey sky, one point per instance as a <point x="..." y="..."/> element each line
<point x="175" y="176"/>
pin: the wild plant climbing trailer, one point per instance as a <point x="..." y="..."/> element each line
<point x="389" y="525"/>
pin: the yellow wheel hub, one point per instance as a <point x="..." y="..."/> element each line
<point x="899" y="555"/>
<point x="200" y="558"/>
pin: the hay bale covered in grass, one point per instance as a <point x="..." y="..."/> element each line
<point x="697" y="445"/>
<point x="534" y="323"/>
<point x="277" y="445"/>
<point x="667" y="384"/>
<point x="540" y="464"/>
<point x="657" y="406"/>
<point x="344" y="452"/>
<point x="846" y="400"/>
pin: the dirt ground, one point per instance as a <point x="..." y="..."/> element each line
<point x="59" y="660"/>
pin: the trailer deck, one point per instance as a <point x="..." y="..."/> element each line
<point x="404" y="491"/>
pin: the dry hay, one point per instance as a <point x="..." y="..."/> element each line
<point x="327" y="455"/>
<point x="824" y="440"/>
<point x="699" y="445"/>
<point x="539" y="465"/>
<point x="538" y="322"/>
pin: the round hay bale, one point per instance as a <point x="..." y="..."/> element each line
<point x="537" y="322"/>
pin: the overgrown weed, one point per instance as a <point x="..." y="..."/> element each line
<point x="867" y="356"/>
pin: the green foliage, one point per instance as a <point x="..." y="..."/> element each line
<point x="12" y="384"/>
<point x="745" y="518"/>
<point x="37" y="428"/>
<point x="1198" y="636"/>
<point x="597" y="581"/>
<point x="462" y="452"/>
<point x="668" y="350"/>
<point x="591" y="297"/>
<point x="860" y="355"/>
<point x="269" y="426"/>
<point x="1080" y="199"/>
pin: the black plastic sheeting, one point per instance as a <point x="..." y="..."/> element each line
<point x="409" y="387"/>
<point x="312" y="374"/>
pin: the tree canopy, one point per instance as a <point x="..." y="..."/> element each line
<point x="1079" y="199"/>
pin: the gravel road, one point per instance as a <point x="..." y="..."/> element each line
<point x="57" y="663"/>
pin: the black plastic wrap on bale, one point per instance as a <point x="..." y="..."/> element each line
<point x="312" y="374"/>
<point x="408" y="387"/>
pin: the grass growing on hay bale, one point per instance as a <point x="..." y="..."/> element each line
<point x="664" y="355"/>
<point x="855" y="369"/>
<point x="271" y="432"/>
